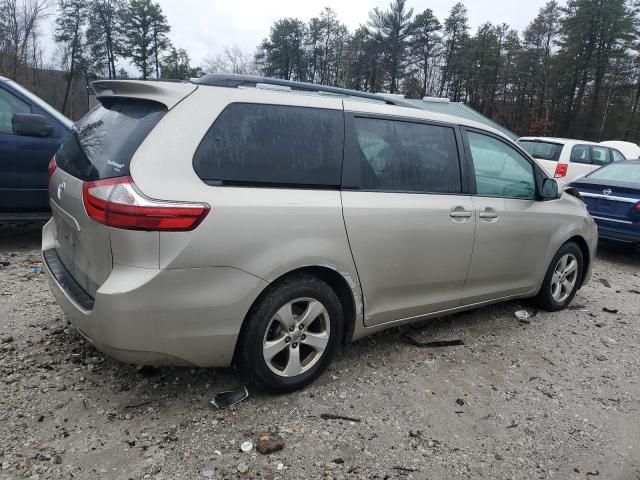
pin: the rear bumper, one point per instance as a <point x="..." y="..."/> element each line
<point x="162" y="317"/>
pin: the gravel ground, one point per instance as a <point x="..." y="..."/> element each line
<point x="558" y="397"/>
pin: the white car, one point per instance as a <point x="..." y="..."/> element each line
<point x="630" y="150"/>
<point x="568" y="159"/>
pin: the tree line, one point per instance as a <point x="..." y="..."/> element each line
<point x="93" y="37"/>
<point x="574" y="71"/>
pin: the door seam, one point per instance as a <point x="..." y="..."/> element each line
<point x="473" y="248"/>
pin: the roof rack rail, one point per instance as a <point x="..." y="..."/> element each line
<point x="230" y="80"/>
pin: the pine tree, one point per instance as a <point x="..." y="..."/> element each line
<point x="393" y="27"/>
<point x="70" y="34"/>
<point x="425" y="46"/>
<point x="104" y="33"/>
<point x="139" y="27"/>
<point x="456" y="34"/>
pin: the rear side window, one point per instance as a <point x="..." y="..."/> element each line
<point x="102" y="143"/>
<point x="273" y="145"/>
<point x="617" y="156"/>
<point x="581" y="154"/>
<point x="542" y="150"/>
<point x="407" y="157"/>
<point x="600" y="156"/>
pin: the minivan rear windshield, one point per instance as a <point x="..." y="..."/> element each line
<point x="103" y="142"/>
<point x="542" y="150"/>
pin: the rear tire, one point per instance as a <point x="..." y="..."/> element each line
<point x="291" y="334"/>
<point x="562" y="279"/>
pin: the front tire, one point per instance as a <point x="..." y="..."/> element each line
<point x="562" y="279"/>
<point x="291" y="334"/>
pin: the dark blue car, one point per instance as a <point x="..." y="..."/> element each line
<point x="612" y="195"/>
<point x="30" y="132"/>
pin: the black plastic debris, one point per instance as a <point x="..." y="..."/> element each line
<point x="331" y="416"/>
<point x="231" y="397"/>
<point x="460" y="402"/>
<point x="433" y="344"/>
<point x="577" y="307"/>
<point x="610" y="310"/>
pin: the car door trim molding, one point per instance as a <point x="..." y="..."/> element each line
<point x="610" y="197"/>
<point x="606" y="219"/>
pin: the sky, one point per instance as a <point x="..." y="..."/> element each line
<point x="205" y="27"/>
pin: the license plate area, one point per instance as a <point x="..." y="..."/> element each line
<point x="66" y="235"/>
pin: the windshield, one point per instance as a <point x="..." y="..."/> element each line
<point x="42" y="104"/>
<point x="542" y="150"/>
<point x="619" y="172"/>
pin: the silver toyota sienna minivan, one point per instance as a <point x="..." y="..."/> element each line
<point x="260" y="222"/>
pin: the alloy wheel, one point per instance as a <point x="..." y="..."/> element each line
<point x="296" y="337"/>
<point x="565" y="276"/>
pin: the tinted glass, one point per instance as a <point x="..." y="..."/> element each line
<point x="407" y="157"/>
<point x="500" y="170"/>
<point x="600" y="155"/>
<point x="10" y="105"/>
<point x="102" y="143"/>
<point x="542" y="150"/>
<point x="581" y="154"/>
<point x="619" y="172"/>
<point x="617" y="156"/>
<point x="272" y="144"/>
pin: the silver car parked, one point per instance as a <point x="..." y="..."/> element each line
<point x="262" y="222"/>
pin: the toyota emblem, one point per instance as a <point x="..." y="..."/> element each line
<point x="61" y="188"/>
<point x="607" y="191"/>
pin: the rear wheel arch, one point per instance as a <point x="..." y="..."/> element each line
<point x="331" y="277"/>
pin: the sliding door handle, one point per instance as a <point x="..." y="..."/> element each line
<point x="488" y="213"/>
<point x="460" y="214"/>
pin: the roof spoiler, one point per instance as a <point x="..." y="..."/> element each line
<point x="167" y="93"/>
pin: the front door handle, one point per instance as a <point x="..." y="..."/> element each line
<point x="460" y="212"/>
<point x="488" y="213"/>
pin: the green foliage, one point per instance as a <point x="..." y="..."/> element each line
<point x="283" y="53"/>
<point x="105" y="34"/>
<point x="145" y="28"/>
<point x="176" y="65"/>
<point x="574" y="71"/>
<point x="425" y="48"/>
<point x="393" y="29"/>
<point x="69" y="33"/>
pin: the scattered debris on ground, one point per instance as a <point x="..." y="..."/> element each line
<point x="229" y="398"/>
<point x="510" y="403"/>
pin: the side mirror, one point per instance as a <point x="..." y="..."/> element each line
<point x="31" y="125"/>
<point x="551" y="190"/>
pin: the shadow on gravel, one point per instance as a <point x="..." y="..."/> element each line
<point x="18" y="237"/>
<point x="620" y="254"/>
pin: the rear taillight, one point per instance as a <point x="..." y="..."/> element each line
<point x="116" y="202"/>
<point x="561" y="170"/>
<point x="52" y="166"/>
